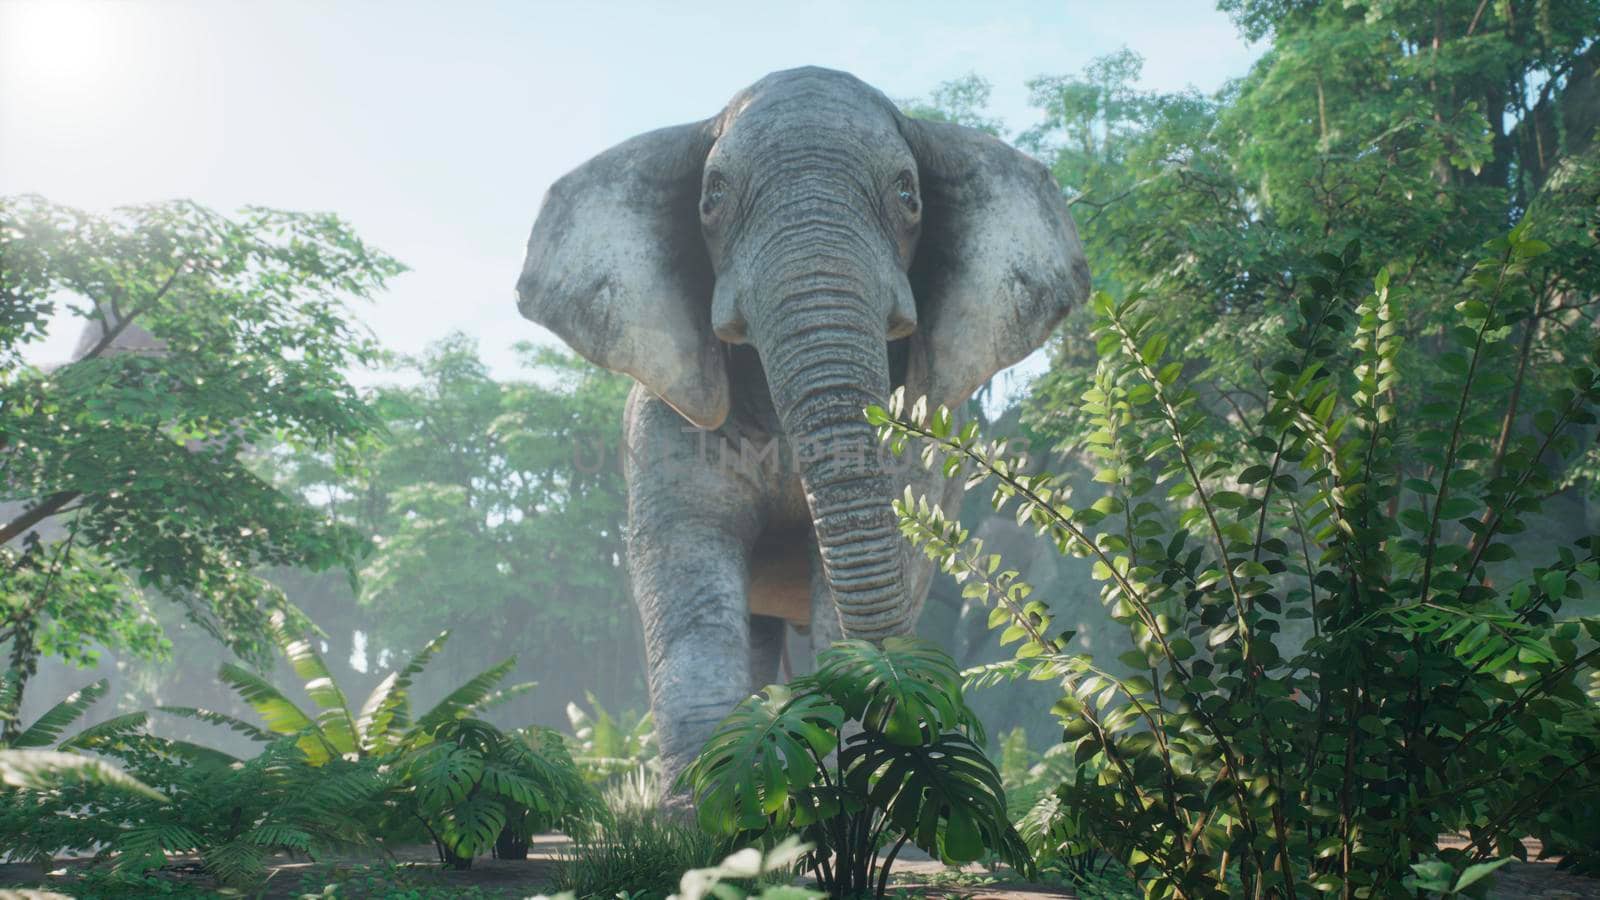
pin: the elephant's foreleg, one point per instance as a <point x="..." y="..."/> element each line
<point x="690" y="584"/>
<point x="767" y="636"/>
<point x="691" y="527"/>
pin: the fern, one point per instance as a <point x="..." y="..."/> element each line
<point x="41" y="770"/>
<point x="45" y="729"/>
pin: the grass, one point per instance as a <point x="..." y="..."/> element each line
<point x="642" y="853"/>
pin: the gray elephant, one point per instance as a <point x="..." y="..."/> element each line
<point x="766" y="274"/>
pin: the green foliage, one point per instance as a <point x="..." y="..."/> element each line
<point x="1341" y="659"/>
<point x="231" y="813"/>
<point x="911" y="774"/>
<point x="465" y="784"/>
<point x="27" y="766"/>
<point x="637" y="851"/>
<point x="749" y="864"/>
<point x="121" y="468"/>
<point x="959" y="101"/>
<point x="488" y="492"/>
<point x="1425" y="129"/>
<point x="1057" y="837"/>
<point x="324" y="780"/>
<point x="606" y="746"/>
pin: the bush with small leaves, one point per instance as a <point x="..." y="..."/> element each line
<point x="1342" y="659"/>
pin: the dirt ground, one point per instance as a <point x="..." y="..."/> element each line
<point x="491" y="878"/>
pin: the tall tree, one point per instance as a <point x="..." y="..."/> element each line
<point x="496" y="509"/>
<point x="122" y="471"/>
<point x="1421" y="129"/>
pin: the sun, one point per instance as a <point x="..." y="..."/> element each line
<point x="58" y="53"/>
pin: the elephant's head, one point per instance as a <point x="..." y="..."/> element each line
<point x="813" y="221"/>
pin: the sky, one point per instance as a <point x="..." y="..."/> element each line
<point x="434" y="128"/>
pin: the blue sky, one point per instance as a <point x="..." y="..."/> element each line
<point x="436" y="127"/>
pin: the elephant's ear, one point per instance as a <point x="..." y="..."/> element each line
<point x="998" y="263"/>
<point x="617" y="267"/>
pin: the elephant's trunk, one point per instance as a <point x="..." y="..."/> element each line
<point x="826" y="361"/>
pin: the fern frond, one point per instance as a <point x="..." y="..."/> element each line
<point x="46" y="769"/>
<point x="239" y="861"/>
<point x="48" y="727"/>
<point x="144" y="847"/>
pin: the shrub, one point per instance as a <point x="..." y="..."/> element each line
<point x="912" y="773"/>
<point x="636" y="851"/>
<point x="331" y="779"/>
<point x="606" y="746"/>
<point x="452" y="777"/>
<point x="176" y="797"/>
<point x="1438" y="689"/>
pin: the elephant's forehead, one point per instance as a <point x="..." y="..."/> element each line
<point x="808" y="104"/>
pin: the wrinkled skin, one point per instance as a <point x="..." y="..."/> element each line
<point x="766" y="274"/>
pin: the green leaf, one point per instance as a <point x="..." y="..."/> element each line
<point x="1475" y="873"/>
<point x="905" y="689"/>
<point x="762" y="758"/>
<point x="945" y="795"/>
<point x="281" y="714"/>
<point x="460" y="702"/>
<point x="387" y="709"/>
<point x="48" y="727"/>
<point x="39" y="770"/>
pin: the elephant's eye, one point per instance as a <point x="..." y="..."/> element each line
<point x="716" y="189"/>
<point x="907" y="189"/>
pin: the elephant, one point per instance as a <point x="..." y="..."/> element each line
<point x="765" y="275"/>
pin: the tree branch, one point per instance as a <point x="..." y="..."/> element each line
<point x="46" y="508"/>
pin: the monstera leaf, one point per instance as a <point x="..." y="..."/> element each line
<point x="762" y="760"/>
<point x="945" y="796"/>
<point x="907" y="690"/>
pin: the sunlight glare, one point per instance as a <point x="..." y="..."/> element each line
<point x="60" y="52"/>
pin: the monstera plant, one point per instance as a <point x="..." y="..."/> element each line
<point x="906" y="767"/>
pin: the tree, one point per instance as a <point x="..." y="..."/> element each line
<point x="122" y="468"/>
<point x="1421" y="129"/>
<point x="496" y="509"/>
<point x="960" y="101"/>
